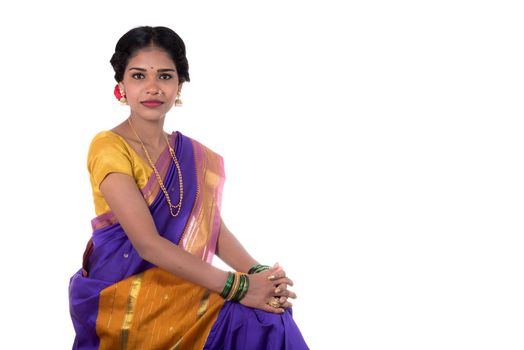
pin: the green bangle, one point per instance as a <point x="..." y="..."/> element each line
<point x="258" y="268"/>
<point x="229" y="284"/>
<point x="234" y="287"/>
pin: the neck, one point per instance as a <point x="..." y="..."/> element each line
<point x="150" y="132"/>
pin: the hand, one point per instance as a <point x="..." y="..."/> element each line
<point x="266" y="285"/>
<point x="283" y="294"/>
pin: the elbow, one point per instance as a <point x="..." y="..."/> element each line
<point x="156" y="250"/>
<point x="144" y="254"/>
<point x="147" y="250"/>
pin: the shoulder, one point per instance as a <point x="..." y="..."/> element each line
<point x="107" y="137"/>
<point x="108" y="146"/>
<point x="108" y="141"/>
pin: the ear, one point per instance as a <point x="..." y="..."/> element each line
<point x="180" y="88"/>
<point x="121" y="86"/>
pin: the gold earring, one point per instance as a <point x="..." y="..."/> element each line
<point x="178" y="101"/>
<point x="123" y="98"/>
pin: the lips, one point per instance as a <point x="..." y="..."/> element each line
<point x="152" y="103"/>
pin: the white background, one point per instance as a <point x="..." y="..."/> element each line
<point x="373" y="148"/>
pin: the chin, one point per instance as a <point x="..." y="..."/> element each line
<point x="155" y="117"/>
<point x="150" y="115"/>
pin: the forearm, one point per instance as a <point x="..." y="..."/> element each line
<point x="231" y="251"/>
<point x="170" y="257"/>
<point x="128" y="204"/>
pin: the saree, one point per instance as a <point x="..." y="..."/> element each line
<point x="117" y="300"/>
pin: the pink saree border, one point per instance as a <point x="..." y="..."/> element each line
<point x="203" y="226"/>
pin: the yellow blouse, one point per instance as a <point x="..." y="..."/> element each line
<point x="110" y="153"/>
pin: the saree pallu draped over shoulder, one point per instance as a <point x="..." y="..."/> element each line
<point x="120" y="301"/>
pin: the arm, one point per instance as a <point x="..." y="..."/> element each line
<point x="128" y="205"/>
<point x="231" y="251"/>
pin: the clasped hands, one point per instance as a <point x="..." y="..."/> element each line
<point x="268" y="290"/>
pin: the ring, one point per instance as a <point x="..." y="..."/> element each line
<point x="274" y="302"/>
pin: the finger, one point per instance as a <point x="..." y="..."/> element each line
<point x="291" y="295"/>
<point x="280" y="288"/>
<point x="276" y="276"/>
<point x="285" y="293"/>
<point x="281" y="280"/>
<point x="275" y="268"/>
<point x="287" y="305"/>
<point x="274" y="310"/>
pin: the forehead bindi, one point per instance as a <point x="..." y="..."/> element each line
<point x="151" y="59"/>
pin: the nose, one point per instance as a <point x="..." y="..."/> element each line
<point x="153" y="89"/>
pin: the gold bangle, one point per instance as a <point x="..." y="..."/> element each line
<point x="233" y="291"/>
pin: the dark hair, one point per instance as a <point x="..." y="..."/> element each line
<point x="140" y="37"/>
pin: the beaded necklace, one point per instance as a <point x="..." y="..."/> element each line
<point x="157" y="174"/>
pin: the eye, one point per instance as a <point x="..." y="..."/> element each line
<point x="138" y="76"/>
<point x="165" y="76"/>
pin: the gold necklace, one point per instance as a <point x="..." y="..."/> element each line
<point x="158" y="178"/>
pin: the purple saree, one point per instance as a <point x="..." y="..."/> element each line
<point x="120" y="301"/>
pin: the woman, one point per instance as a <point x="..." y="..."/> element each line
<point x="147" y="281"/>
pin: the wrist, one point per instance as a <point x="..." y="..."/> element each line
<point x="220" y="281"/>
<point x="235" y="287"/>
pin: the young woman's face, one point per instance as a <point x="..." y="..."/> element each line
<point x="150" y="83"/>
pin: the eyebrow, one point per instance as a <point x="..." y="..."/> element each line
<point x="158" y="70"/>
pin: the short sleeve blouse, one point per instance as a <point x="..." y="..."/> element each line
<point x="110" y="153"/>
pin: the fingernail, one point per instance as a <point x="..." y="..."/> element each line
<point x="277" y="290"/>
<point x="271" y="278"/>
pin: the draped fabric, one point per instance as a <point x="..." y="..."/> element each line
<point x="120" y="301"/>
